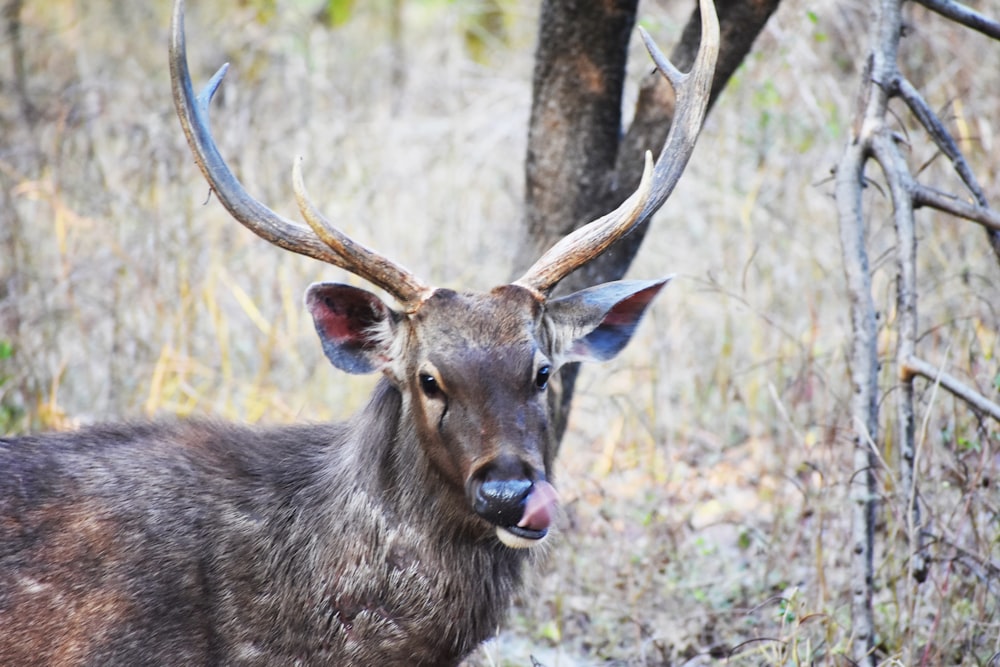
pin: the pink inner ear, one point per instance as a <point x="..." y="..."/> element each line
<point x="345" y="315"/>
<point x="618" y="322"/>
<point x="336" y="325"/>
<point x="349" y="321"/>
<point x="628" y="311"/>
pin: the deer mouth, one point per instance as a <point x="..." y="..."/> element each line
<point x="518" y="538"/>
<point x="533" y="526"/>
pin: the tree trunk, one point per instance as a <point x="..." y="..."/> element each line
<point x="580" y="164"/>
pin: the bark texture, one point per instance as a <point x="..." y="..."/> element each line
<point x="581" y="162"/>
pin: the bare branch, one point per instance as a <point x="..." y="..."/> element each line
<point x="886" y="152"/>
<point x="925" y="196"/>
<point x="872" y="137"/>
<point x="863" y="364"/>
<point x="959" y="13"/>
<point x="917" y="366"/>
<point x="948" y="146"/>
<point x="939" y="133"/>
<point x="985" y="570"/>
<point x="863" y="374"/>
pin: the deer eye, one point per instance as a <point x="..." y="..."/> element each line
<point x="542" y="377"/>
<point x="429" y="386"/>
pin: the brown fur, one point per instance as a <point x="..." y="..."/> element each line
<point x="200" y="542"/>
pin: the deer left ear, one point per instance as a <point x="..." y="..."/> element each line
<point x="595" y="324"/>
<point x="355" y="326"/>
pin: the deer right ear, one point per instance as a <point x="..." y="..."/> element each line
<point x="595" y="324"/>
<point x="355" y="326"/>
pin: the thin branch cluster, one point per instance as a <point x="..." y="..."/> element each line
<point x="876" y="139"/>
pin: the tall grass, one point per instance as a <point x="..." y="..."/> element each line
<point x="705" y="473"/>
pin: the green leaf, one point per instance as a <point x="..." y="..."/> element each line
<point x="550" y="631"/>
<point x="338" y="12"/>
<point x="969" y="445"/>
<point x="786" y="613"/>
<point x="743" y="541"/>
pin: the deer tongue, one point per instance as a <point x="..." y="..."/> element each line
<point x="540" y="506"/>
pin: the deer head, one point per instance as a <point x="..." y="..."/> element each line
<point x="472" y="368"/>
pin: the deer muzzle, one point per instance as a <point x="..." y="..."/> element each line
<point x="521" y="509"/>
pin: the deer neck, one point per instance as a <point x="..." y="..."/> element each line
<point x="407" y="525"/>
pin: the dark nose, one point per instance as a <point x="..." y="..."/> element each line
<point x="502" y="501"/>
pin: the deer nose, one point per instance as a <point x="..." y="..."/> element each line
<point x="502" y="501"/>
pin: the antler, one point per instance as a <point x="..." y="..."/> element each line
<point x="691" y="91"/>
<point x="324" y="242"/>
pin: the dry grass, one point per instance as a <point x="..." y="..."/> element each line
<point x="705" y="472"/>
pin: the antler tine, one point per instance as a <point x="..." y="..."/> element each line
<point x="358" y="259"/>
<point x="252" y="214"/>
<point x="589" y="241"/>
<point x="691" y="91"/>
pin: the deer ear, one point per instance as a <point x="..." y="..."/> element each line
<point x="355" y="326"/>
<point x="595" y="324"/>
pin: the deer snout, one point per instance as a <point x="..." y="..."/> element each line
<point x="502" y="501"/>
<point x="519" y="507"/>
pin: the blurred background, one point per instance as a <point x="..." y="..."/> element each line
<point x="704" y="475"/>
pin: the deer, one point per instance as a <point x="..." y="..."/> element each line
<point x="396" y="537"/>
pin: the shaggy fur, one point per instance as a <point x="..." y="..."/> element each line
<point x="198" y="542"/>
